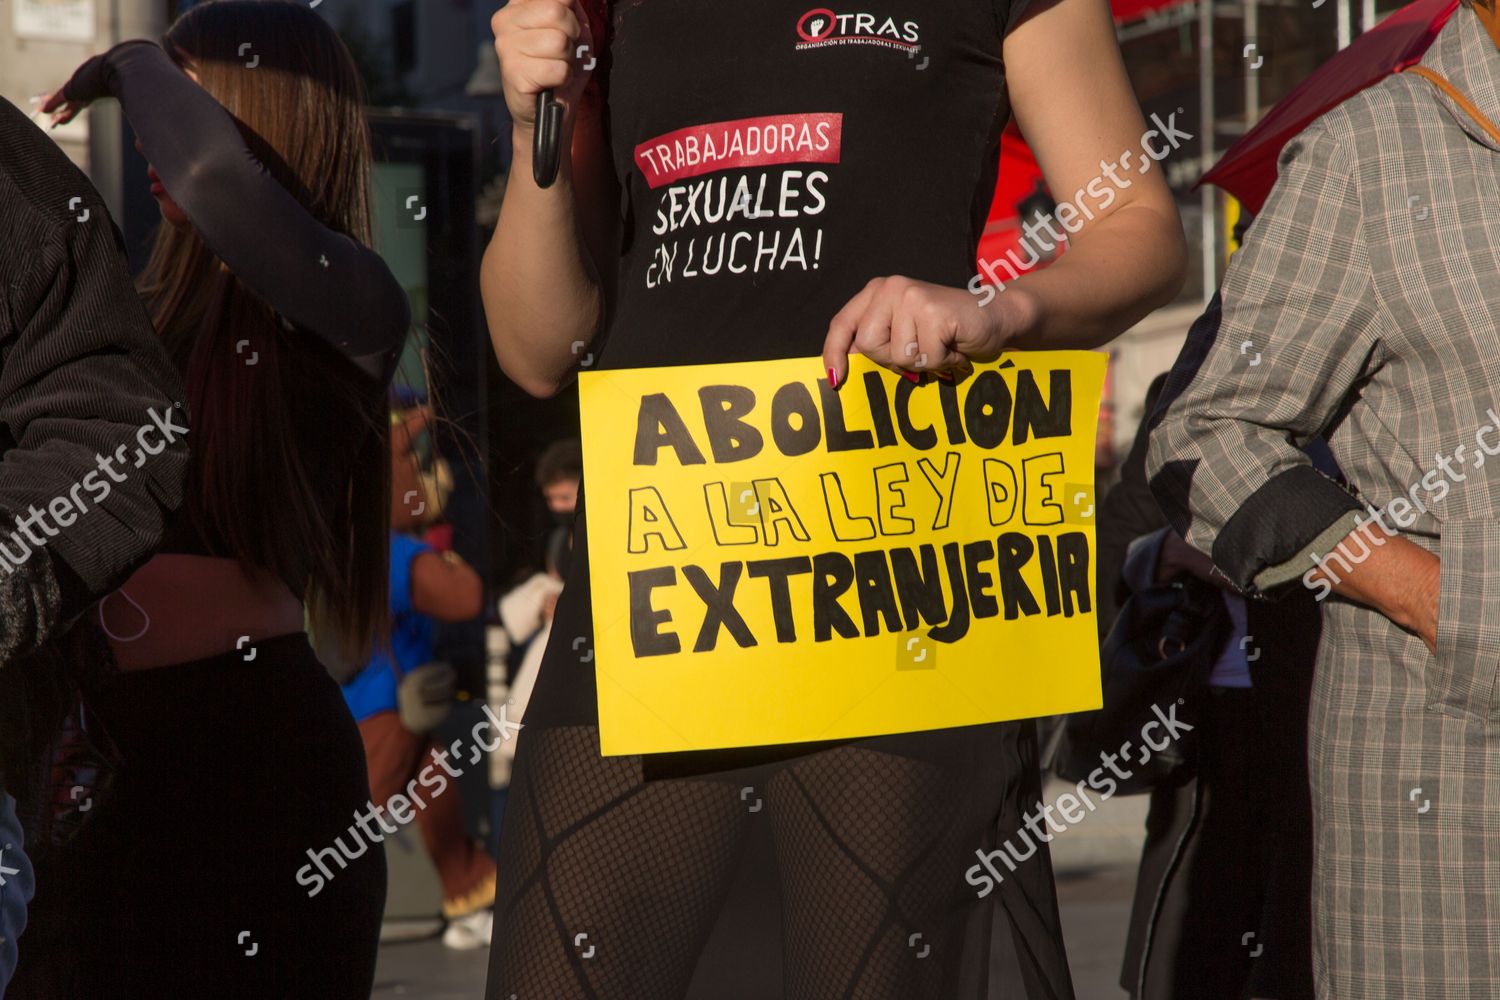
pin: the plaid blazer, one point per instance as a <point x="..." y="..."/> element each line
<point x="1365" y="308"/>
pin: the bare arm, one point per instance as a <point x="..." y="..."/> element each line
<point x="1125" y="261"/>
<point x="544" y="275"/>
<point x="446" y="588"/>
<point x="1130" y="258"/>
<point x="1399" y="579"/>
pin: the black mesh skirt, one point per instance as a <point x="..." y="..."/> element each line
<point x="620" y="877"/>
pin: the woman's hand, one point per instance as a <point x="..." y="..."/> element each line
<point x="86" y="84"/>
<point x="61" y="109"/>
<point x="539" y="44"/>
<point x="913" y="327"/>
<point x="548" y="268"/>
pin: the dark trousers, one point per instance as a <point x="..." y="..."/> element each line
<point x="1223" y="899"/>
<point x="193" y="876"/>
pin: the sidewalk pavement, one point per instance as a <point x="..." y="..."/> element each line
<point x="1111" y="835"/>
<point x="1095" y="863"/>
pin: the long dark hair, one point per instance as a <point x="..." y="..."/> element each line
<point x="252" y="486"/>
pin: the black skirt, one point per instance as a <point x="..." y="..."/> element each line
<point x="193" y="879"/>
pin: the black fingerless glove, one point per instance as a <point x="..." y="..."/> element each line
<point x="95" y="79"/>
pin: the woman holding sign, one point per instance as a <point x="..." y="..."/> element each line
<point x="772" y="182"/>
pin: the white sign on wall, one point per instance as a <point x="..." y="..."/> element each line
<point x="58" y="20"/>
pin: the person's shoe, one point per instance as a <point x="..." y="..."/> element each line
<point x="481" y="897"/>
<point x="470" y="932"/>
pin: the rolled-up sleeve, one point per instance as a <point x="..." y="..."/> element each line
<point x="1268" y="367"/>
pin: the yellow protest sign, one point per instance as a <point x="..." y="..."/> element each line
<point x="777" y="562"/>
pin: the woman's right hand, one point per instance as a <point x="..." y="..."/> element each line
<point x="59" y="109"/>
<point x="88" y="83"/>
<point x="542" y="44"/>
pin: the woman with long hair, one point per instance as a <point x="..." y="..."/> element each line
<point x="233" y="759"/>
<point x="881" y="127"/>
<point x="80" y="370"/>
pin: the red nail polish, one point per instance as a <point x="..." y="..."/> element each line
<point x="833" y="379"/>
<point x="945" y="376"/>
<point x="912" y="377"/>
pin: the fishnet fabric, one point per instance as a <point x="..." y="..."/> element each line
<point x="610" y="885"/>
<point x="870" y="847"/>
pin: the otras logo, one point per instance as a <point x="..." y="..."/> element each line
<point x="822" y="27"/>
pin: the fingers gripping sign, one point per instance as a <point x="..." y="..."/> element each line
<point x="913" y="328"/>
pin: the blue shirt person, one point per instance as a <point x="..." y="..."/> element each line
<point x="373" y="690"/>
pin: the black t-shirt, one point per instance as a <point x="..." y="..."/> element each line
<point x="773" y="159"/>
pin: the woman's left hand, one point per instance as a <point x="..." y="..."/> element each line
<point x="914" y="327"/>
